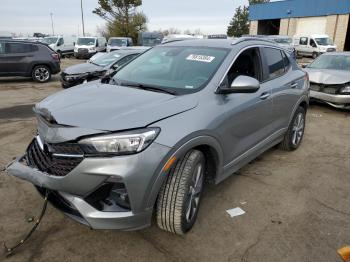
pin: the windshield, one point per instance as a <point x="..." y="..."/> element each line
<point x="49" y="40"/>
<point x="117" y="42"/>
<point x="86" y="41"/>
<point x="337" y="62"/>
<point x="106" y="59"/>
<point x="178" y="69"/>
<point x="324" y="41"/>
<point x="283" y="41"/>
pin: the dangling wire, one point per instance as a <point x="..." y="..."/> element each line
<point x="10" y="250"/>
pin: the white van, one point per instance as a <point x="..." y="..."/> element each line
<point x="63" y="45"/>
<point x="116" y="43"/>
<point x="86" y="47"/>
<point x="313" y="45"/>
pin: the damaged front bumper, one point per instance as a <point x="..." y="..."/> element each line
<point x="336" y="100"/>
<point x="72" y="192"/>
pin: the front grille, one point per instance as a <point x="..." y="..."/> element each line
<point x="328" y="89"/>
<point x="51" y="164"/>
<point x="83" y="50"/>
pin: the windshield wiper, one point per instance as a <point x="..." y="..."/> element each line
<point x="148" y="87"/>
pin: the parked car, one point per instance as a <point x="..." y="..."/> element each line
<point x="63" y="45"/>
<point x="313" y="45"/>
<point x="180" y="114"/>
<point x="28" y="59"/>
<point x="116" y="43"/>
<point x="86" y="72"/>
<point x="284" y="41"/>
<point x="150" y="38"/>
<point x="330" y="79"/>
<point x="176" y="37"/>
<point x="86" y="47"/>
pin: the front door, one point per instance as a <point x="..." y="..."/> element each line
<point x="247" y="116"/>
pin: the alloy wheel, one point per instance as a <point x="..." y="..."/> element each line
<point x="42" y="74"/>
<point x="298" y="129"/>
<point x="194" y="193"/>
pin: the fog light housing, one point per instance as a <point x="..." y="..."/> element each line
<point x="110" y="197"/>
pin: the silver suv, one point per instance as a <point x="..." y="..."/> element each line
<point x="178" y="116"/>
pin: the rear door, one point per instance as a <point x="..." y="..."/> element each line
<point x="303" y="45"/>
<point x="285" y="85"/>
<point x="17" y="58"/>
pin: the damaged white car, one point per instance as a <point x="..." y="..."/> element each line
<point x="330" y="79"/>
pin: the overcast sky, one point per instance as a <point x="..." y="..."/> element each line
<point x="26" y="17"/>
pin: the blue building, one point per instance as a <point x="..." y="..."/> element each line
<point x="295" y="17"/>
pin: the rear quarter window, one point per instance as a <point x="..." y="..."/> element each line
<point x="275" y="62"/>
<point x="286" y="61"/>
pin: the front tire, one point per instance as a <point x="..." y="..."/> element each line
<point x="179" y="198"/>
<point x="41" y="73"/>
<point x="314" y="55"/>
<point x="295" y="132"/>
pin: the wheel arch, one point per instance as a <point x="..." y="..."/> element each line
<point x="38" y="64"/>
<point x="212" y="151"/>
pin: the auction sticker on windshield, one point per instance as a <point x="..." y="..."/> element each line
<point x="200" y="58"/>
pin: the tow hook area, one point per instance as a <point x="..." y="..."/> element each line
<point x="11" y="250"/>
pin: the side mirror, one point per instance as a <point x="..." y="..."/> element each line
<point x="242" y="84"/>
<point x="74" y="43"/>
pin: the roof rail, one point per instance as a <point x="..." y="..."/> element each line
<point x="252" y="38"/>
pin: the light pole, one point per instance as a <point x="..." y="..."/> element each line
<point x="53" y="31"/>
<point x="82" y="16"/>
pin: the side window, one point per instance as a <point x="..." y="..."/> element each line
<point x="274" y="61"/>
<point x="60" y="41"/>
<point x="286" y="61"/>
<point x="313" y="43"/>
<point x="97" y="43"/>
<point x="14" y="48"/>
<point x="125" y="60"/>
<point x="303" y="41"/>
<point x="2" y="48"/>
<point x="248" y="63"/>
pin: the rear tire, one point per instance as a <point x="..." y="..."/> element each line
<point x="294" y="135"/>
<point x="41" y="73"/>
<point x="179" y="198"/>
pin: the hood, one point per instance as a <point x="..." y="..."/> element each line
<point x="328" y="76"/>
<point x="82" y="68"/>
<point x="111" y="108"/>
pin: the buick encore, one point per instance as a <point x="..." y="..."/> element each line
<point x="180" y="115"/>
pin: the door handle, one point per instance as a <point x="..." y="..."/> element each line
<point x="294" y="85"/>
<point x="264" y="95"/>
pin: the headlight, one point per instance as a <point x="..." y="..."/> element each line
<point x="92" y="48"/>
<point x="75" y="49"/>
<point x="345" y="89"/>
<point x="123" y="143"/>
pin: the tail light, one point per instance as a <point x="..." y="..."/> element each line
<point x="56" y="56"/>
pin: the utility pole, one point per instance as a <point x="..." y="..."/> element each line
<point x="53" y="31"/>
<point x="82" y="16"/>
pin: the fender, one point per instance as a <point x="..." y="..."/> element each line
<point x="179" y="150"/>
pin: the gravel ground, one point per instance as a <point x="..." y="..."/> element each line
<point x="297" y="204"/>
